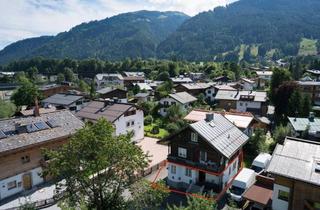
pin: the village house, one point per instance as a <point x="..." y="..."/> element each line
<point x="143" y="97"/>
<point x="129" y="80"/>
<point x="205" y="156"/>
<point x="196" y="76"/>
<point x="113" y="93"/>
<point x="21" y="143"/>
<point x="295" y="165"/>
<point x="264" y="77"/>
<point x="183" y="99"/>
<point x="194" y="89"/>
<point x="126" y="118"/>
<point x="211" y="92"/>
<point x="246" y="122"/>
<point x="312" y="88"/>
<point x="52" y="89"/>
<point x="248" y="84"/>
<point x="309" y="126"/>
<point x="108" y="80"/>
<point x="65" y="101"/>
<point x="180" y="79"/>
<point x="143" y="87"/>
<point x="243" y="101"/>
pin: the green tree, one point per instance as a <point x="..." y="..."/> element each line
<point x="256" y="143"/>
<point x="33" y="73"/>
<point x="306" y="106"/>
<point x="295" y="108"/>
<point x="175" y="113"/>
<point x="147" y="196"/>
<point x="163" y="76"/>
<point x="278" y="77"/>
<point x="97" y="166"/>
<point x="69" y="75"/>
<point x="7" y="109"/>
<point x="83" y="86"/>
<point x="60" y="78"/>
<point x="196" y="203"/>
<point x="26" y="94"/>
<point x="280" y="133"/>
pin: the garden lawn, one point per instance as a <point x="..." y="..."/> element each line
<point x="162" y="132"/>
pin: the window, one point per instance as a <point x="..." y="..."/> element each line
<point x="182" y="152"/>
<point x="12" y="185"/>
<point x="241" y="104"/>
<point x="188" y="172"/>
<point x="166" y="103"/>
<point x="203" y="156"/>
<point x="229" y="170"/>
<point x="173" y="103"/>
<point x="194" y="137"/>
<point x="128" y="124"/>
<point x="234" y="165"/>
<point x="209" y="91"/>
<point x="132" y="123"/>
<point x="173" y="169"/>
<point x="25" y="159"/>
<point x="283" y="195"/>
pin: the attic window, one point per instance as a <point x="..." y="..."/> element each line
<point x="194" y="137"/>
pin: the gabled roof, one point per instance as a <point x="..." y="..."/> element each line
<point x="183" y="97"/>
<point x="181" y="79"/>
<point x="62" y="99"/>
<point x="264" y="73"/>
<point x="98" y="109"/>
<point x="143" y="86"/>
<point x="108" y="90"/>
<point x="235" y="95"/>
<point x="221" y="134"/>
<point x="196" y="86"/>
<point x="66" y="122"/>
<point x="241" y="120"/>
<point x="296" y="159"/>
<point x="301" y="124"/>
<point x="101" y="76"/>
<point x="248" y="80"/>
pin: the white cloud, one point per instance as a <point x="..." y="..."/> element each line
<point x="21" y="19"/>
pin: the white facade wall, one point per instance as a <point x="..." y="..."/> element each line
<point x="36" y="179"/>
<point x="137" y="127"/>
<point x="213" y="179"/>
<point x="247" y="86"/>
<point x="229" y="173"/>
<point x="108" y="82"/>
<point x="278" y="204"/>
<point x="242" y="106"/>
<point x="171" y="101"/>
<point x="180" y="175"/>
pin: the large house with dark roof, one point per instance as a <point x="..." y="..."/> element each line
<point x="243" y="101"/>
<point x="183" y="99"/>
<point x="21" y="142"/>
<point x="65" y="101"/>
<point x="295" y="165"/>
<point x="125" y="117"/>
<point x="206" y="154"/>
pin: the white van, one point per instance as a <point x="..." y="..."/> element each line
<point x="245" y="179"/>
<point x="261" y="162"/>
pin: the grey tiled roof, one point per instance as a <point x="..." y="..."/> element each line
<point x="296" y="159"/>
<point x="68" y="124"/>
<point x="97" y="109"/>
<point x="107" y="90"/>
<point x="259" y="96"/>
<point x="221" y="134"/>
<point x="183" y="97"/>
<point x="62" y="99"/>
<point x="301" y="124"/>
<point x="196" y="86"/>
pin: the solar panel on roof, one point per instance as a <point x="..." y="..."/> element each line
<point x="31" y="128"/>
<point x="2" y="135"/>
<point x="41" y="125"/>
<point x="53" y="123"/>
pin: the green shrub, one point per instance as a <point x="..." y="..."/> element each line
<point x="155" y="129"/>
<point x="172" y="127"/>
<point x="148" y="120"/>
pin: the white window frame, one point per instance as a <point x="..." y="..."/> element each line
<point x="173" y="169"/>
<point x="188" y="172"/>
<point x="182" y="152"/>
<point x="12" y="185"/>
<point x="194" y="137"/>
<point x="205" y="156"/>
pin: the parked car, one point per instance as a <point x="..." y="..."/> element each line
<point x="261" y="162"/>
<point x="245" y="179"/>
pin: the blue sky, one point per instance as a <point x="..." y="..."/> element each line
<point x="20" y="19"/>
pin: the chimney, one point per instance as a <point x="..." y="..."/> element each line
<point x="311" y="117"/>
<point x="209" y="117"/>
<point x="36" y="110"/>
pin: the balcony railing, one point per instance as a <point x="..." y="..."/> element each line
<point x="204" y="165"/>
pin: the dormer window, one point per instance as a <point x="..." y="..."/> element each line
<point x="194" y="137"/>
